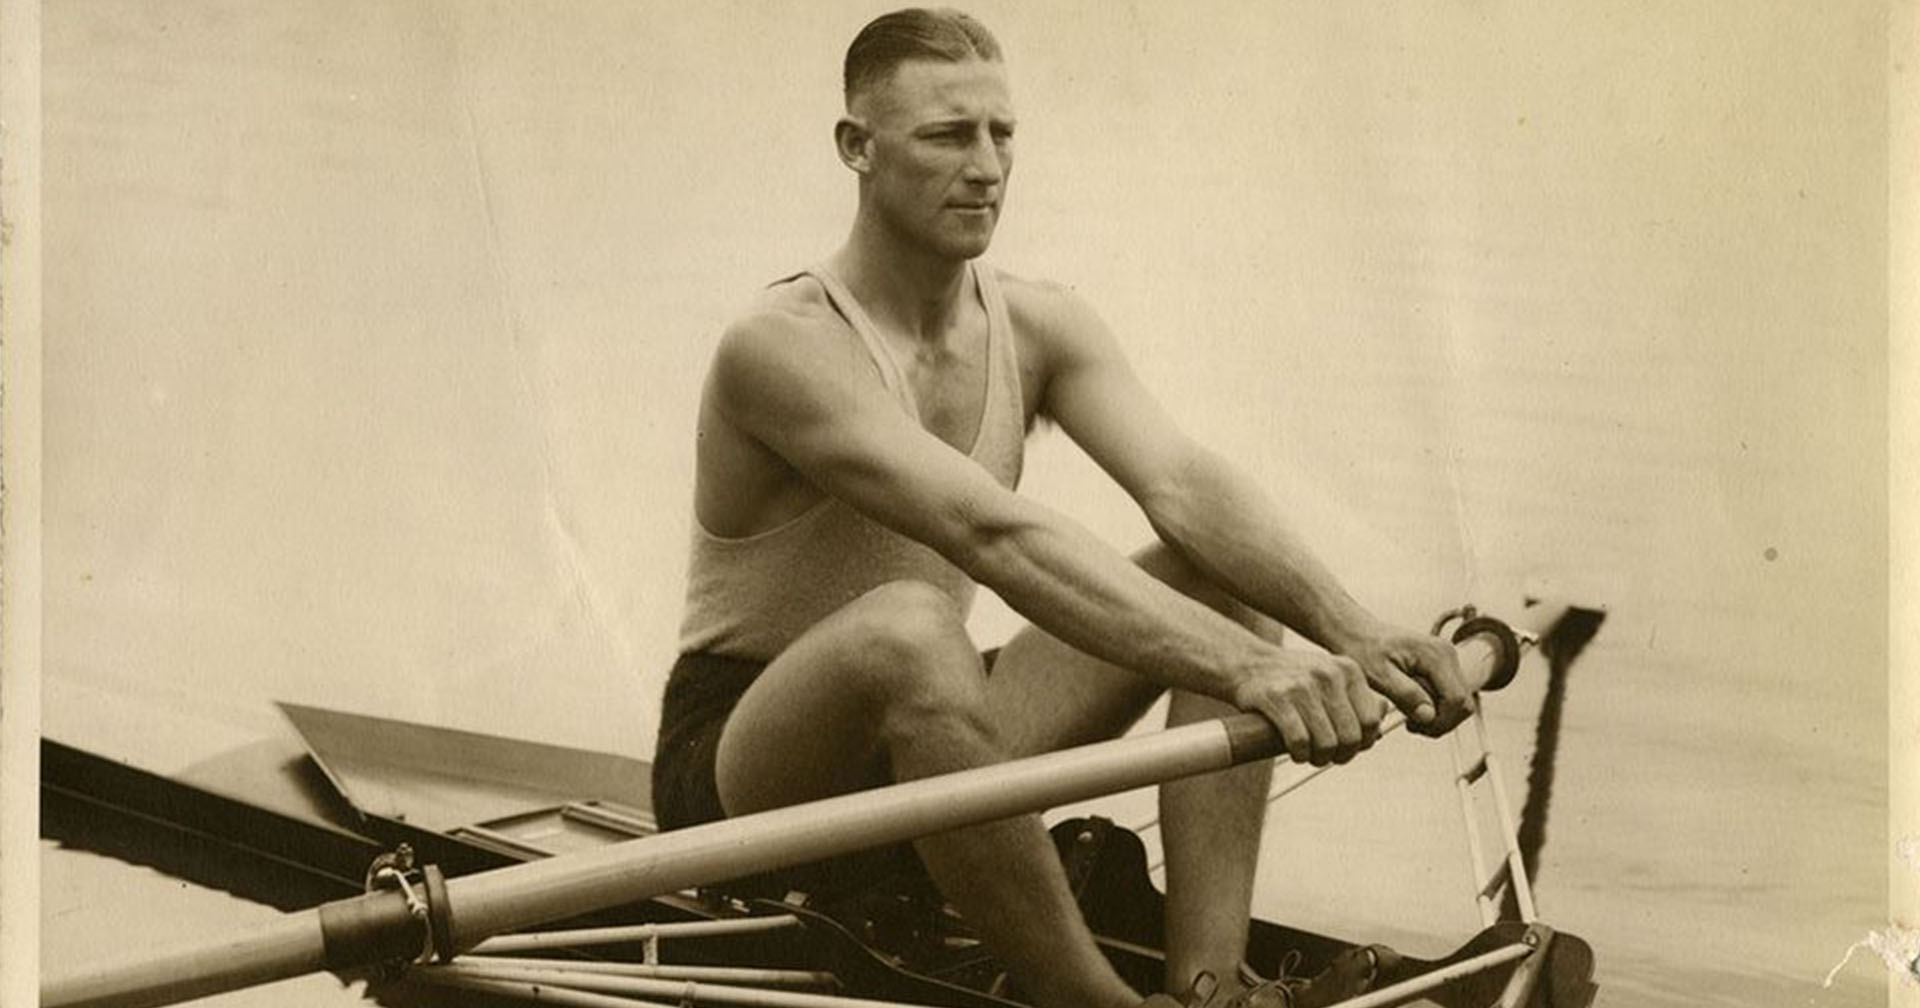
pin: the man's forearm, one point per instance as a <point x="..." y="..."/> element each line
<point x="1077" y="588"/>
<point x="1227" y="527"/>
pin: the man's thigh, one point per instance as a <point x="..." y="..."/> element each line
<point x="810" y="726"/>
<point x="796" y="735"/>
<point x="1045" y="694"/>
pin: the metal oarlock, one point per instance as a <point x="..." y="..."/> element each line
<point x="424" y="888"/>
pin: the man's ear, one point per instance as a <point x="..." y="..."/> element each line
<point x="854" y="142"/>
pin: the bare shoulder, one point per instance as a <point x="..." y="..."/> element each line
<point x="1045" y="305"/>
<point x="786" y="339"/>
<point x="790" y="312"/>
<point x="1053" y="319"/>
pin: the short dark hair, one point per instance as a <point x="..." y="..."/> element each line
<point x="889" y="40"/>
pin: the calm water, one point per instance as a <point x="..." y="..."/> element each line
<point x="374" y="331"/>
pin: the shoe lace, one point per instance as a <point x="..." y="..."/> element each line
<point x="1286" y="982"/>
<point x="1288" y="986"/>
<point x="1287" y="977"/>
<point x="1201" y="993"/>
<point x="1295" y="989"/>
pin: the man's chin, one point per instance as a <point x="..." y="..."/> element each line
<point x="969" y="246"/>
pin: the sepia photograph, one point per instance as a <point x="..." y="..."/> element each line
<point x="830" y="505"/>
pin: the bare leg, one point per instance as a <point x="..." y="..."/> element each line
<point x="1210" y="826"/>
<point x="891" y="687"/>
<point x="1046" y="695"/>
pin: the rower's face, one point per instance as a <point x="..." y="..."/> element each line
<point x="940" y="151"/>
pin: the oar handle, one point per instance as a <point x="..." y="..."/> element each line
<point x="1489" y="654"/>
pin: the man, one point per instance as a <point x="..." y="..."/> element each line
<point x="859" y="440"/>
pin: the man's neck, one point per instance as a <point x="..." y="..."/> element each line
<point x="902" y="288"/>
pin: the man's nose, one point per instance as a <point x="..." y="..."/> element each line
<point x="983" y="161"/>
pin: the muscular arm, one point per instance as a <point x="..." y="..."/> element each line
<point x="1219" y="519"/>
<point x="807" y="395"/>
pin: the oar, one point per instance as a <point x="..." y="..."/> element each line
<point x="380" y="926"/>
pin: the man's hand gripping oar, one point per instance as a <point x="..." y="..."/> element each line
<point x="1485" y="656"/>
<point x="1327" y="707"/>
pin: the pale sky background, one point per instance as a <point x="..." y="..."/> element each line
<point x="374" y="332"/>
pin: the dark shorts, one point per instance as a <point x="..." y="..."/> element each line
<point x="702" y="690"/>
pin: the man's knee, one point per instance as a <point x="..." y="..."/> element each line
<point x="908" y="633"/>
<point x="916" y="662"/>
<point x="905" y="624"/>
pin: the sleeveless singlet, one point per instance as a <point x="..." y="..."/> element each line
<point x="752" y="596"/>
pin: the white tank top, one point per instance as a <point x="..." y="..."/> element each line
<point x="752" y="596"/>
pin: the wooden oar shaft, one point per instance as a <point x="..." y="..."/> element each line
<point x="520" y="896"/>
<point x="289" y="947"/>
<point x="540" y="891"/>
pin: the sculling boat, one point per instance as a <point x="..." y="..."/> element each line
<point x="414" y="854"/>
